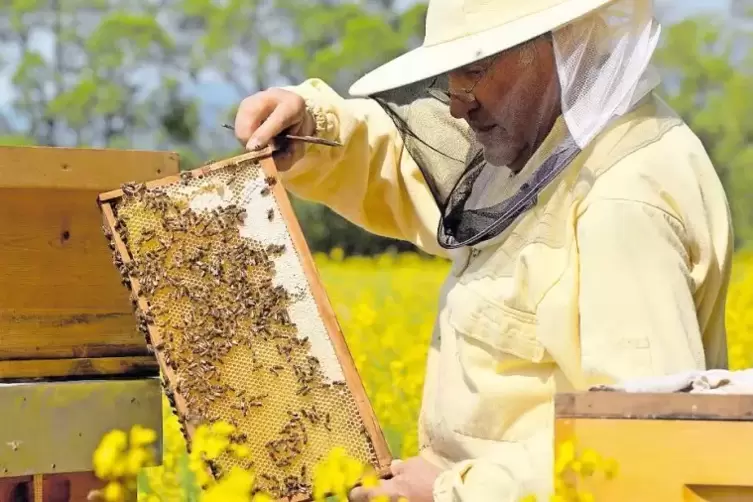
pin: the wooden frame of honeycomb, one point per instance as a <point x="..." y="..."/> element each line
<point x="226" y="292"/>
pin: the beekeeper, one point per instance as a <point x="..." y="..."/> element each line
<point x="589" y="233"/>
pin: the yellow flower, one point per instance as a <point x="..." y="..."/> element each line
<point x="337" y="255"/>
<point x="370" y="481"/>
<point x="137" y="459"/>
<point x="565" y="458"/>
<point x="586" y="497"/>
<point x="113" y="492"/>
<point x="212" y="441"/>
<point x="590" y="461"/>
<point x="576" y="466"/>
<point x="108" y="455"/>
<point x="610" y="468"/>
<point x="222" y="429"/>
<point x="240" y="450"/>
<point x="141" y="436"/>
<point x="336" y="474"/>
<point x="235" y="487"/>
<point x="200" y="470"/>
<point x="559" y="485"/>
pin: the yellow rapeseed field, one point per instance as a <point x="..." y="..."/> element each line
<point x="386" y="308"/>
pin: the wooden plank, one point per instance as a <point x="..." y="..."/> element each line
<point x="97" y="366"/>
<point x="678" y="406"/>
<point x="60" y="296"/>
<point x="81" y="168"/>
<point x="195" y="173"/>
<point x="69" y="487"/>
<point x="658" y="459"/>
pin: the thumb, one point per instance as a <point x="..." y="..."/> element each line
<point x="396" y="467"/>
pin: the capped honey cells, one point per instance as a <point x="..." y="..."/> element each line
<point x="222" y="298"/>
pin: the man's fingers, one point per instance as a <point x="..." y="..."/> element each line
<point x="360" y="494"/>
<point x="397" y="466"/>
<point x="280" y="119"/>
<point x="267" y="114"/>
<point x="252" y="112"/>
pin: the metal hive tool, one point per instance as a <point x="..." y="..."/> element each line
<point x="228" y="297"/>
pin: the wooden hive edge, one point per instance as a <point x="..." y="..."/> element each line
<point x="654" y="406"/>
<point x="126" y="366"/>
<point x="255" y="156"/>
<point x="153" y="331"/>
<point x="265" y="157"/>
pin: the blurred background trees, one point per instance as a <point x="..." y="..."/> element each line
<point x="166" y="74"/>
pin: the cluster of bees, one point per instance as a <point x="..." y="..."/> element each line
<point x="210" y="291"/>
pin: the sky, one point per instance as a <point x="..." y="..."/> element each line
<point x="216" y="96"/>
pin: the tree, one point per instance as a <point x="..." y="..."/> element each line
<point x="708" y="69"/>
<point x="114" y="73"/>
<point x="80" y="67"/>
<point x="119" y="73"/>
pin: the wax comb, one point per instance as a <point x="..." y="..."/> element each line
<point x="228" y="297"/>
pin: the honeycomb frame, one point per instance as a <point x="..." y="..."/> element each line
<point x="323" y="374"/>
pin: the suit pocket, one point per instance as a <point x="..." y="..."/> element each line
<point x="499" y="328"/>
<point x="503" y="384"/>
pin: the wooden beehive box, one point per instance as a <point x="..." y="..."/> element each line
<point x="63" y="310"/>
<point x="668" y="447"/>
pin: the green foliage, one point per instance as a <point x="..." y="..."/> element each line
<point x="340" y="41"/>
<point x="16" y="140"/>
<point x="325" y="230"/>
<point x="708" y="67"/>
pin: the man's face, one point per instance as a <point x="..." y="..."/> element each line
<point x="510" y="100"/>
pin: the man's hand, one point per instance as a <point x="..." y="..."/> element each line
<point x="264" y="115"/>
<point x="412" y="479"/>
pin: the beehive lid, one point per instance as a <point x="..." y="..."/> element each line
<point x="61" y="301"/>
<point x="229" y="297"/>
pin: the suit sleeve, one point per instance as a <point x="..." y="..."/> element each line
<point x="371" y="180"/>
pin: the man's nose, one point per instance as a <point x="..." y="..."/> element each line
<point x="461" y="108"/>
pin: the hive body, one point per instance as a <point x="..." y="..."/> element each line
<point x="228" y="297"/>
<point x="62" y="310"/>
<point x="73" y="366"/>
<point x="669" y="447"/>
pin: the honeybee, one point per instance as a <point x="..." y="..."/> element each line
<point x="132" y="188"/>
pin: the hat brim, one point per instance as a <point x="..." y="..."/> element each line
<point x="426" y="62"/>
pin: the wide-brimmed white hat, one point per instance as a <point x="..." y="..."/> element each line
<point x="460" y="32"/>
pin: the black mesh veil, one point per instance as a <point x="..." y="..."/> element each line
<point x="452" y="161"/>
<point x="602" y="71"/>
